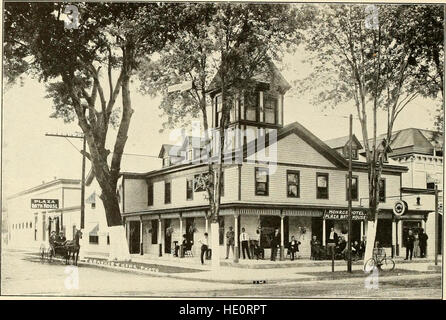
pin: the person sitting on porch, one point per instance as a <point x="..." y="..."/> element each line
<point x="293" y="247"/>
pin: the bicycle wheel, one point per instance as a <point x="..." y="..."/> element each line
<point x="387" y="264"/>
<point x="369" y="265"/>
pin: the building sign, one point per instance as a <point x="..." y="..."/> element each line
<point x="399" y="208"/>
<point x="337" y="214"/>
<point x="44" y="203"/>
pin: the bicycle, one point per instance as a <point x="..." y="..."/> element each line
<point x="380" y="261"/>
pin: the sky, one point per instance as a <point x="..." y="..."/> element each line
<point x="29" y="157"/>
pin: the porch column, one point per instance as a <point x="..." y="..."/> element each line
<point x="324" y="233"/>
<point x="281" y="237"/>
<point x="206" y="228"/>
<point x="397" y="239"/>
<point x="181" y="227"/>
<point x="236" y="237"/>
<point x="180" y="238"/>
<point x="362" y="229"/>
<point x="141" y="242"/>
<point x="160" y="231"/>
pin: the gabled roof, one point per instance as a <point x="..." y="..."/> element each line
<point x="309" y="138"/>
<point x="342" y="142"/>
<point x="413" y="140"/>
<point x="268" y="75"/>
<point x="196" y="142"/>
<point x="170" y="149"/>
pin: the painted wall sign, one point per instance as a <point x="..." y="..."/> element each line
<point x="44" y="203"/>
<point x="338" y="214"/>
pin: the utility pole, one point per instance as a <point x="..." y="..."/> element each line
<point x="349" y="262"/>
<point x="436" y="225"/>
<point x="77" y="136"/>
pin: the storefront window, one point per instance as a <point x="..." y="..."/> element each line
<point x="267" y="226"/>
<point x="415" y="226"/>
<point x="293" y="184"/>
<point x="384" y="232"/>
<point x="322" y="185"/>
<point x="154" y="231"/>
<point x="354" y="188"/>
<point x="261" y="181"/>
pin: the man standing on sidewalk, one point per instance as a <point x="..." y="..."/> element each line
<point x="244" y="240"/>
<point x="409" y="244"/>
<point x="423" y="243"/>
<point x="229" y="241"/>
<point x="204" y="246"/>
<point x="332" y="241"/>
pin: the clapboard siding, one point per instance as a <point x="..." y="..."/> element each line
<point x="293" y="149"/>
<point x="136" y="190"/>
<point x="336" y="186"/>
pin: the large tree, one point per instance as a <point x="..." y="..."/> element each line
<point x="232" y="44"/>
<point x="378" y="58"/>
<point x="77" y="65"/>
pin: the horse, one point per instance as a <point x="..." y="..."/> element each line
<point x="72" y="247"/>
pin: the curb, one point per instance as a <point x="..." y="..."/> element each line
<point x="132" y="267"/>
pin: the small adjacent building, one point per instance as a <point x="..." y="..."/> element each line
<point x="35" y="212"/>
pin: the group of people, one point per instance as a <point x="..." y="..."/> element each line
<point x="251" y="247"/>
<point x="416" y="244"/>
<point x="57" y="240"/>
<point x="336" y="245"/>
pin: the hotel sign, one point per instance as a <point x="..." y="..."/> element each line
<point x="44" y="203"/>
<point x="337" y="214"/>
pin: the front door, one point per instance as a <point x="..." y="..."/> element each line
<point x="167" y="236"/>
<point x="134" y="237"/>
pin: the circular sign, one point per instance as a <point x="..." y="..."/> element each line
<point x="399" y="208"/>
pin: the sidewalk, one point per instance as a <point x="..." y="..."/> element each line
<point x="265" y="271"/>
<point x="290" y="271"/>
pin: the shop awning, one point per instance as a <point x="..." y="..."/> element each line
<point x="94" y="231"/>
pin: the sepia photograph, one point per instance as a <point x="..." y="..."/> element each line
<point x="222" y="150"/>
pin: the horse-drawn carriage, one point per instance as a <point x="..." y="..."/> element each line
<point x="58" y="246"/>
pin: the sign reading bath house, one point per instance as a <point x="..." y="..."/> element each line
<point x="343" y="214"/>
<point x="44" y="203"/>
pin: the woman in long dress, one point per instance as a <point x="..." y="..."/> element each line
<point x="416" y="246"/>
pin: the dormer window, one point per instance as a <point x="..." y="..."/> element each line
<point x="354" y="152"/>
<point x="189" y="155"/>
<point x="251" y="106"/>
<point x="166" y="161"/>
<point x="270" y="108"/>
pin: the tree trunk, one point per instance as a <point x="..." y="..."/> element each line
<point x="215" y="244"/>
<point x="119" y="249"/>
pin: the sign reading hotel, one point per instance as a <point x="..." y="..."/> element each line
<point x="44" y="203"/>
<point x="334" y="214"/>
